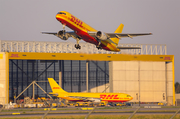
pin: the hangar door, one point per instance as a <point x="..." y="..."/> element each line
<point x="145" y="81"/>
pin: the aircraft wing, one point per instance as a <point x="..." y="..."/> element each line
<point x="120" y="47"/>
<point x="70" y="33"/>
<point x="120" y="35"/>
<point x="86" y="98"/>
<point x="53" y="33"/>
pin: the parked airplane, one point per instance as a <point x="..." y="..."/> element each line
<point x="81" y="30"/>
<point x="92" y="97"/>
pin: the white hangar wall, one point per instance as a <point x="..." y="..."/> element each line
<point x="4" y="76"/>
<point x="145" y="81"/>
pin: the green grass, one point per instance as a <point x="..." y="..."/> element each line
<point x="103" y="117"/>
<point x="96" y="111"/>
<point x="79" y="108"/>
<point x="170" y="106"/>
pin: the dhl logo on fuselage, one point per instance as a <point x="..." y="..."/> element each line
<point x="56" y="88"/>
<point x="76" y="21"/>
<point x="109" y="97"/>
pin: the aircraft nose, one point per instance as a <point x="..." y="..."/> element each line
<point x="131" y="98"/>
<point x="57" y="16"/>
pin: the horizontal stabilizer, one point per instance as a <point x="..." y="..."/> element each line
<point x="119" y="47"/>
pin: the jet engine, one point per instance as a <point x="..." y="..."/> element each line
<point x="63" y="35"/>
<point x="101" y="36"/>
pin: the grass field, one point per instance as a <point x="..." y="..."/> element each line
<point x="79" y="108"/>
<point x="105" y="117"/>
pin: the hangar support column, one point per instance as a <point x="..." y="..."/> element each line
<point x="87" y="76"/>
<point x="60" y="74"/>
<point x="4" y="78"/>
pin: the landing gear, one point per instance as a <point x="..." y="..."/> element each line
<point x="64" y="26"/>
<point x="99" y="46"/>
<point x="77" y="46"/>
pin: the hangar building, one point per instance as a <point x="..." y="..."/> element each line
<point x="147" y="74"/>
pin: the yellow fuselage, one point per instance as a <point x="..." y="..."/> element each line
<point x="81" y="29"/>
<point x="109" y="97"/>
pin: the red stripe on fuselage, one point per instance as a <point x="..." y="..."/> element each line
<point x="115" y="100"/>
<point x="84" y="35"/>
<point x="101" y="100"/>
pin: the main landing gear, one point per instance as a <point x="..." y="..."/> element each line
<point x="99" y="46"/>
<point x="77" y="46"/>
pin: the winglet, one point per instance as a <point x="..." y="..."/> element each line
<point x="54" y="86"/>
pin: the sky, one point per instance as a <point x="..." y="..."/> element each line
<point x="24" y="20"/>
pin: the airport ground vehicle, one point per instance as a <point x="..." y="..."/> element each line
<point x="79" y="104"/>
<point x="84" y="104"/>
<point x="103" y="103"/>
<point x="90" y="104"/>
<point x="119" y="104"/>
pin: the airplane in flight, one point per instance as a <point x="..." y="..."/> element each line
<point x="81" y="30"/>
<point x="87" y="97"/>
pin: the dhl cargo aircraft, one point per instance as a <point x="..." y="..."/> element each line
<point x="92" y="97"/>
<point x="81" y="30"/>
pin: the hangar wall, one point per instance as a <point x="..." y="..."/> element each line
<point x="169" y="82"/>
<point x="138" y="75"/>
<point x="4" y="76"/>
<point x="30" y="50"/>
<point x="145" y="81"/>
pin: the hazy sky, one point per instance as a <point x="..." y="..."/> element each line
<point x="25" y="19"/>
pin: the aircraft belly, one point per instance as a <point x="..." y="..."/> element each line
<point x="86" y="37"/>
<point x="90" y="40"/>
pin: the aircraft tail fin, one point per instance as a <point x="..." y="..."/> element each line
<point x="118" y="30"/>
<point x="55" y="87"/>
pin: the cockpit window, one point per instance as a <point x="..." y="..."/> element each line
<point x="61" y="13"/>
<point x="128" y="96"/>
